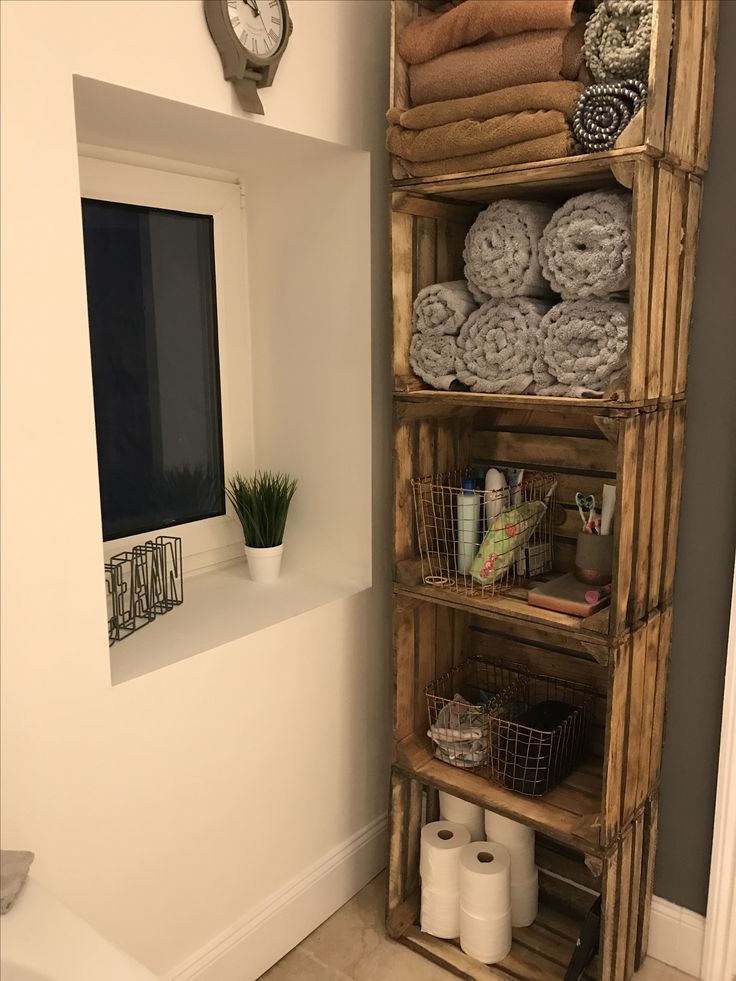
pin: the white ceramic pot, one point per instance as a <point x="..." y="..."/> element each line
<point x="264" y="563"/>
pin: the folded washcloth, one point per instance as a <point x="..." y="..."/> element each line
<point x="499" y="344"/>
<point x="501" y="250"/>
<point x="561" y="96"/>
<point x="603" y="113"/>
<point x="433" y="358"/>
<point x="544" y="148"/>
<point x="433" y="34"/>
<point x="586" y="248"/>
<point x="442" y="308"/>
<point x="535" y="56"/>
<point x="617" y="40"/>
<point x="14" y="868"/>
<point x="583" y="345"/>
<point x="470" y="136"/>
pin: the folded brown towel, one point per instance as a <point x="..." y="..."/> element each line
<point x="471" y="136"/>
<point x="14" y="868"/>
<point x="431" y="35"/>
<point x="535" y="56"/>
<point x="544" y="148"/>
<point x="562" y="96"/>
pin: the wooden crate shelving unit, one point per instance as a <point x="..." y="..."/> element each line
<point x="597" y="830"/>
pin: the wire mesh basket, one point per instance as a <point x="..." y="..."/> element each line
<point x="460" y="705"/>
<point x="481" y="542"/>
<point x="538" y="735"/>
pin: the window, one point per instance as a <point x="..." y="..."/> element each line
<point x="153" y="335"/>
<point x="165" y="273"/>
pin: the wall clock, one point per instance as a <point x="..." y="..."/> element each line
<point x="251" y="36"/>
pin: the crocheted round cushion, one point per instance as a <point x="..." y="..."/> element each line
<point x="617" y="40"/>
<point x="586" y="247"/>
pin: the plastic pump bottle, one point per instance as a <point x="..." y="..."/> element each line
<point x="468" y="515"/>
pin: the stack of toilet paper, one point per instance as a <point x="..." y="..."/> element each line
<point x="524" y="880"/>
<point x="477" y="889"/>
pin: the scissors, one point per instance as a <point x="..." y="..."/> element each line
<point x="586" y="508"/>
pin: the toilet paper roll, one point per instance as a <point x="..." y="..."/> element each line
<point x="439" y="856"/>
<point x="525" y="901"/>
<point x="440" y="914"/>
<point x="460" y="811"/>
<point x="518" y="839"/>
<point x="485" y="881"/>
<point x="487" y="939"/>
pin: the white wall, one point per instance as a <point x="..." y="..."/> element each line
<point x="157" y="808"/>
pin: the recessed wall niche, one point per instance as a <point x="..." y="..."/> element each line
<point x="307" y="321"/>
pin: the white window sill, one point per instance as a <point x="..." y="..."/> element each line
<point x="220" y="606"/>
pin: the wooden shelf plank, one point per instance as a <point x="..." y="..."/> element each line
<point x="570" y="813"/>
<point x="568" y="173"/>
<point x="539" y="953"/>
<point x="481" y="400"/>
<point x="513" y="607"/>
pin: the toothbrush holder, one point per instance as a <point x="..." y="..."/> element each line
<point x="594" y="559"/>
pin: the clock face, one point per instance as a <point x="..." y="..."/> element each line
<point x="258" y="25"/>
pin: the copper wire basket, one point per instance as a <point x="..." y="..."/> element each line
<point x="531" y="757"/>
<point x="450" y="540"/>
<point x="460" y="706"/>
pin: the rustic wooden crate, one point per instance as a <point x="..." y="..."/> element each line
<point x="590" y="807"/>
<point x="676" y="121"/>
<point x="640" y="451"/>
<point x="428" y="234"/>
<point x="568" y="882"/>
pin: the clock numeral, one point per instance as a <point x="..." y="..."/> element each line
<point x="276" y="21"/>
<point x="243" y="37"/>
<point x="273" y="3"/>
<point x="255" y="45"/>
<point x="273" y="35"/>
<point x="233" y="4"/>
<point x="235" y="21"/>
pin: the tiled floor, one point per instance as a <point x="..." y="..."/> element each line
<point x="352" y="946"/>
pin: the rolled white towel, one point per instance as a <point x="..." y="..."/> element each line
<point x="499" y="344"/>
<point x="433" y="358"/>
<point x="584" y="344"/>
<point x="442" y="308"/>
<point x="502" y="250"/>
<point x="586" y="247"/>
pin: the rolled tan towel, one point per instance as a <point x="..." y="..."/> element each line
<point x="561" y="96"/>
<point x="535" y="56"/>
<point x="470" y="136"/>
<point x="544" y="148"/>
<point x="431" y="35"/>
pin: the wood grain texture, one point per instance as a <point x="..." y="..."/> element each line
<point x="659" y="62"/>
<point x="692" y="222"/>
<point x="404" y="653"/>
<point x="642" y="220"/>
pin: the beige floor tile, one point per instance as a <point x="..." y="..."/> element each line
<point x="352" y="946"/>
<point x="301" y="966"/>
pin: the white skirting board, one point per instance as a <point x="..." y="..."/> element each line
<point x="676" y="936"/>
<point x="260" y="938"/>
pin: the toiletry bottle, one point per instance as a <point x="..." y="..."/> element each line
<point x="495" y="499"/>
<point x="468" y="514"/>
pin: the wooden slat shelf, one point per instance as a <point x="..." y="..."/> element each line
<point x="569" y="881"/>
<point x="570" y="813"/>
<point x="509" y="607"/>
<point x="565" y="175"/>
<point x="433" y="398"/>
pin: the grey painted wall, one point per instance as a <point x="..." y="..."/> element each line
<point x="705" y="553"/>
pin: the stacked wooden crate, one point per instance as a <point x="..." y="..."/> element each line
<point x="596" y="831"/>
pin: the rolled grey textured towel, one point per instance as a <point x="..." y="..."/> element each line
<point x="14" y="868"/>
<point x="499" y="344"/>
<point x="617" y="40"/>
<point x="433" y="358"/>
<point x="502" y="250"/>
<point x="442" y="308"/>
<point x="604" y="111"/>
<point x="584" y="344"/>
<point x="586" y="247"/>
